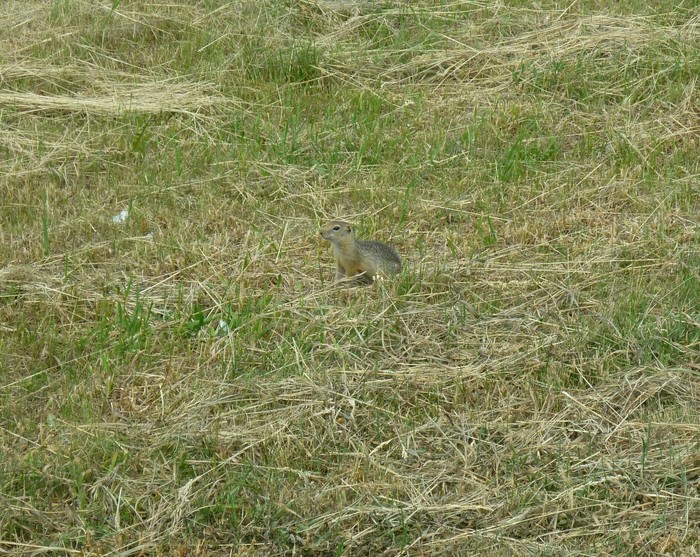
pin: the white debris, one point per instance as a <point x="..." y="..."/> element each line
<point x="121" y="217"/>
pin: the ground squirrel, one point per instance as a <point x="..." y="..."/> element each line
<point x="363" y="259"/>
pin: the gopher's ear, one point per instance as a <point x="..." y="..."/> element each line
<point x="349" y="228"/>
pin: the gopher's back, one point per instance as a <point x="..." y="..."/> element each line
<point x="380" y="256"/>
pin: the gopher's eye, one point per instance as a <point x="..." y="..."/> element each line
<point x="336" y="227"/>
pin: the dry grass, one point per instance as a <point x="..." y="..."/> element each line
<point x="189" y="381"/>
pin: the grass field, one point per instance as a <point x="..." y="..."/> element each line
<point x="188" y="380"/>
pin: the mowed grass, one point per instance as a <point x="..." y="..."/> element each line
<point x="190" y="382"/>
